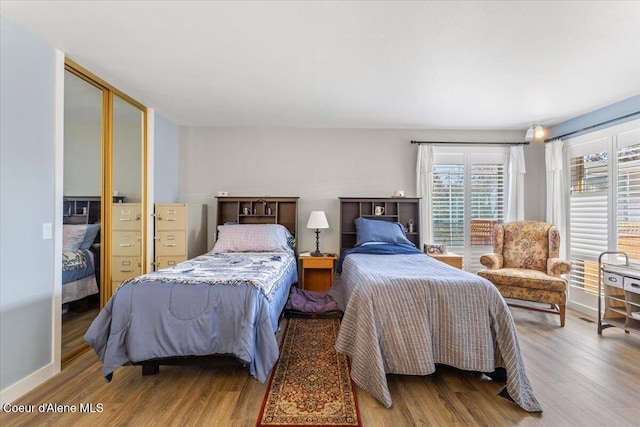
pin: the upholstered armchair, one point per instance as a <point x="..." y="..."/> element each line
<point x="525" y="266"/>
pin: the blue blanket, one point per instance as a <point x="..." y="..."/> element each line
<point x="157" y="317"/>
<point x="378" y="249"/>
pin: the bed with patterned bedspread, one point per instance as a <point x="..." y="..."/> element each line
<point x="79" y="259"/>
<point x="219" y="303"/>
<point x="405" y="312"/>
<point x="78" y="275"/>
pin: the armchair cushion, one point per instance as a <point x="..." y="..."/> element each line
<point x="524" y="278"/>
<point x="533" y="295"/>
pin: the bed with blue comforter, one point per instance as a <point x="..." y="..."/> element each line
<point x="219" y="303"/>
<point x="212" y="304"/>
<point x="79" y="259"/>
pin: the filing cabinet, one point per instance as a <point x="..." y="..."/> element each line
<point x="180" y="232"/>
<point x="126" y="252"/>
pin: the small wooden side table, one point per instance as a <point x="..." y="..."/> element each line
<point x="317" y="272"/>
<point x="450" y="258"/>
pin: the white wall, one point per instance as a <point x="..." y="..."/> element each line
<point x="127" y="160"/>
<point x="82" y="160"/>
<point x="165" y="158"/>
<point x="27" y="136"/>
<point x="535" y="182"/>
<point x="320" y="165"/>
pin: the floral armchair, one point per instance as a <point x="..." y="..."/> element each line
<point x="525" y="266"/>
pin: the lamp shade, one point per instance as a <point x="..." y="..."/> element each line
<point x="317" y="219"/>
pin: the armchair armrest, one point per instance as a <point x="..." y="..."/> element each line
<point x="557" y="266"/>
<point x="492" y="261"/>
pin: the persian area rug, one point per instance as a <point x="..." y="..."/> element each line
<point x="310" y="385"/>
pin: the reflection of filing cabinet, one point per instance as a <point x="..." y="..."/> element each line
<point x="180" y="233"/>
<point x="317" y="272"/>
<point x="126" y="252"/>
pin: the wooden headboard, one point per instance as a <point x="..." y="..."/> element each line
<point x="259" y="210"/>
<point x="396" y="209"/>
<point x="81" y="210"/>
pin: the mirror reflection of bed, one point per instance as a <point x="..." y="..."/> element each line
<point x="80" y="268"/>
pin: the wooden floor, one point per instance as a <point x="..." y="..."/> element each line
<point x="75" y="325"/>
<point x="579" y="377"/>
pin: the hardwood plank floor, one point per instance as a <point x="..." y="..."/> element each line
<point x="75" y="325"/>
<point x="580" y="378"/>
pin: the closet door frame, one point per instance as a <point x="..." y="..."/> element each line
<point x="108" y="92"/>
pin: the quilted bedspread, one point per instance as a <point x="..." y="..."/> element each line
<point x="225" y="304"/>
<point x="403" y="314"/>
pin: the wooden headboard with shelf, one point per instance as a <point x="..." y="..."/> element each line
<point x="394" y="209"/>
<point x="258" y="210"/>
<point x="81" y="210"/>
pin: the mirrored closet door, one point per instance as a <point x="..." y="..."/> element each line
<point x="128" y="183"/>
<point x="104" y="199"/>
<point x="82" y="194"/>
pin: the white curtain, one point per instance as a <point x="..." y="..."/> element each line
<point x="556" y="190"/>
<point x="424" y="185"/>
<point x="515" y="197"/>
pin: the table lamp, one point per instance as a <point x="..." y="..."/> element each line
<point x="317" y="220"/>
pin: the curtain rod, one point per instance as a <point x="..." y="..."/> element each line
<point x="470" y="143"/>
<point x="636" y="113"/>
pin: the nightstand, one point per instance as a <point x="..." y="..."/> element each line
<point x="454" y="260"/>
<point x="317" y="272"/>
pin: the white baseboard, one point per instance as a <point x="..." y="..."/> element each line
<point x="584" y="309"/>
<point x="28" y="383"/>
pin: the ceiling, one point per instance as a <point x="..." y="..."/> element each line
<point x="352" y="64"/>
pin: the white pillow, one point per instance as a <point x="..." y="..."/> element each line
<point x="73" y="236"/>
<point x="252" y="238"/>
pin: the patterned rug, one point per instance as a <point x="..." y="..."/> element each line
<point x="310" y="385"/>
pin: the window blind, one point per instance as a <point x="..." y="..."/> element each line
<point x="588" y="227"/>
<point x="487" y="206"/>
<point x="448" y="204"/>
<point x="628" y="201"/>
<point x="487" y="201"/>
<point x="466" y="206"/>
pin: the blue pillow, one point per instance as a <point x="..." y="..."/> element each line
<point x="90" y="236"/>
<point x="373" y="230"/>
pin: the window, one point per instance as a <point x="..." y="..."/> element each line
<point x="604" y="204"/>
<point x="448" y="204"/>
<point x="468" y="199"/>
<point x="628" y="201"/>
<point x="588" y="230"/>
<point x="487" y="201"/>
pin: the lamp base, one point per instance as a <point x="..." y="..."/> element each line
<point x="317" y="251"/>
